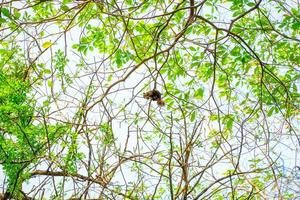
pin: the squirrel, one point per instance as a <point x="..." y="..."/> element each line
<point x="154" y="95"/>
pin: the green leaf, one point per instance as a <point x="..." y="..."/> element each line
<point x="5" y="12"/>
<point x="199" y="93"/>
<point x="251" y="4"/>
<point x="270" y="112"/>
<point x="17" y="14"/>
<point x="192" y="48"/>
<point x="193" y="116"/>
<point x="47" y="44"/>
<point x="229" y="123"/>
<point x="2" y="20"/>
<point x="65" y="8"/>
<point x="235" y="51"/>
<point x="296" y="26"/>
<point x="50" y="83"/>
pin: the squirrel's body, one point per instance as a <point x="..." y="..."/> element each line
<point x="154" y="95"/>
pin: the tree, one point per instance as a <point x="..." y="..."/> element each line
<point x="74" y="123"/>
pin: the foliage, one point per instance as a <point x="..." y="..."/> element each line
<point x="73" y="120"/>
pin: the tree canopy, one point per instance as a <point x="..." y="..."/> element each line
<point x="74" y="123"/>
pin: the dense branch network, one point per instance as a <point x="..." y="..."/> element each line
<point x="76" y="76"/>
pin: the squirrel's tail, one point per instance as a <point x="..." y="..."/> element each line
<point x="160" y="102"/>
